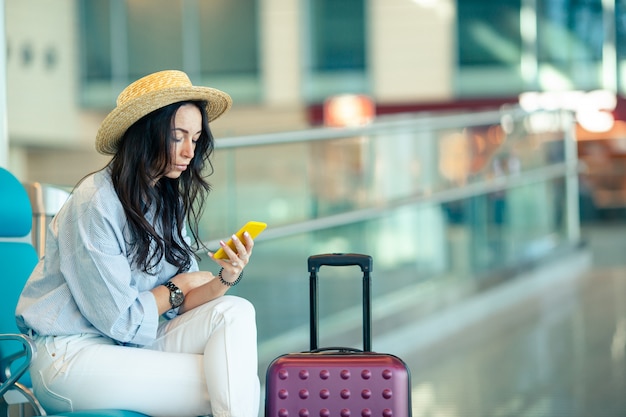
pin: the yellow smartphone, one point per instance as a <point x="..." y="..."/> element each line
<point x="252" y="227"/>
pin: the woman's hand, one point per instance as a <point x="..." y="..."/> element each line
<point x="233" y="267"/>
<point x="201" y="286"/>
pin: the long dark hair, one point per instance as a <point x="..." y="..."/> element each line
<point x="137" y="171"/>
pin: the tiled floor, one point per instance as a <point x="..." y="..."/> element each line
<point x="556" y="351"/>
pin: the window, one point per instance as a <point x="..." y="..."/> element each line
<point x="338" y="33"/>
<point x="155" y="36"/>
<point x="335" y="51"/>
<point x="489" y="33"/>
<point x="620" y="26"/>
<point x="122" y="40"/>
<point x="510" y="46"/>
<point x="570" y="38"/>
<point x="228" y="37"/>
<point x="96" y="40"/>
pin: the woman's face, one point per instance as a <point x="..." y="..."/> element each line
<point x="186" y="130"/>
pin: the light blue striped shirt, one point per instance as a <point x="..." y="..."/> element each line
<point x="87" y="282"/>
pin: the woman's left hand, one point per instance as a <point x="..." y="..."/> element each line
<point x="237" y="260"/>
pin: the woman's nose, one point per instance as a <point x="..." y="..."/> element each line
<point x="188" y="148"/>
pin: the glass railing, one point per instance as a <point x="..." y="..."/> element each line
<point x="445" y="204"/>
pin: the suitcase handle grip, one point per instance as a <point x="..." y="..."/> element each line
<point x="341" y="259"/>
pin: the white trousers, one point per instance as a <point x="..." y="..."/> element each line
<point x="203" y="362"/>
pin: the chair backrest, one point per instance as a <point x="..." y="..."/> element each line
<point x="17" y="254"/>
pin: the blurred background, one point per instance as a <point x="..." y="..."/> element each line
<point x="475" y="149"/>
<point x="280" y="60"/>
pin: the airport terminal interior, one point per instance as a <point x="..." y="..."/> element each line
<point x="491" y="197"/>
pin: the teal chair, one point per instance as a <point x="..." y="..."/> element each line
<point x="17" y="260"/>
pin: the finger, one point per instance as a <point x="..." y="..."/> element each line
<point x="249" y="244"/>
<point x="248" y="238"/>
<point x="231" y="255"/>
<point x="241" y="248"/>
<point x="249" y="241"/>
<point x="243" y="253"/>
<point x="227" y="248"/>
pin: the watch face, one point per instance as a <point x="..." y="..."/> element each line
<point x="176" y="298"/>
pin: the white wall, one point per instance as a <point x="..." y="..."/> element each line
<point x="42" y="94"/>
<point x="412" y="44"/>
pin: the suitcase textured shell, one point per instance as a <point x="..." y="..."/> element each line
<point x="365" y="384"/>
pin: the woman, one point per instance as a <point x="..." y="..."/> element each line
<point x="118" y="258"/>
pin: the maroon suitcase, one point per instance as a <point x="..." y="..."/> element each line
<point x="338" y="381"/>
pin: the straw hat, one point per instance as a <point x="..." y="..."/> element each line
<point x="151" y="93"/>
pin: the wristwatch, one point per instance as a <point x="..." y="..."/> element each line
<point x="176" y="295"/>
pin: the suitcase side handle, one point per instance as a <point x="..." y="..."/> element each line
<point x="339" y="259"/>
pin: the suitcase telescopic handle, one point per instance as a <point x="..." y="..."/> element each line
<point x="341" y="259"/>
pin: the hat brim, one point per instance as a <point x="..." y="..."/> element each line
<point x="122" y="117"/>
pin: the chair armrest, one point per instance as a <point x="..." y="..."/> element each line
<point x="10" y="375"/>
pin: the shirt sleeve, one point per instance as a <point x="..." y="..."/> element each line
<point x="110" y="293"/>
